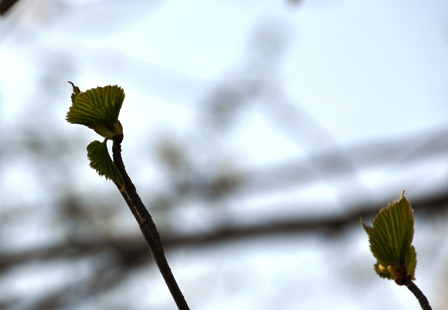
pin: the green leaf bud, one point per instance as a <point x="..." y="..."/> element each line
<point x="98" y="109"/>
<point x="101" y="161"/>
<point x="390" y="238"/>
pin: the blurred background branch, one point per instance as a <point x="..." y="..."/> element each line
<point x="6" y="5"/>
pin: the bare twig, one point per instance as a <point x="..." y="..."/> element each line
<point x="6" y="5"/>
<point x="424" y="303"/>
<point x="148" y="228"/>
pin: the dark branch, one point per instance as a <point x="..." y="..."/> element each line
<point x="148" y="228"/>
<point x="6" y="5"/>
<point x="424" y="303"/>
<point x="330" y="225"/>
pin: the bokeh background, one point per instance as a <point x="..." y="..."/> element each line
<point x="257" y="134"/>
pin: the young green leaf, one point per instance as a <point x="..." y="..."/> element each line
<point x="100" y="161"/>
<point x="97" y="108"/>
<point x="390" y="241"/>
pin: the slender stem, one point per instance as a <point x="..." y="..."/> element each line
<point x="148" y="228"/>
<point x="424" y="303"/>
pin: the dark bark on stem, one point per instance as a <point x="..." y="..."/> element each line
<point x="148" y="228"/>
<point x="424" y="303"/>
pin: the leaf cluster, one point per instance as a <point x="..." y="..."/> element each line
<point x="98" y="109"/>
<point x="390" y="238"/>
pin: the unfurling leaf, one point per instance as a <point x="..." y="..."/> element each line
<point x="100" y="161"/>
<point x="97" y="108"/>
<point x="390" y="239"/>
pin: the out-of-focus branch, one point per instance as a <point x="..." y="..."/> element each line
<point x="330" y="225"/>
<point x="402" y="152"/>
<point x="6" y="5"/>
<point x="393" y="153"/>
<point x="128" y="254"/>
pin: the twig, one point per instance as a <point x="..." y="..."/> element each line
<point x="148" y="228"/>
<point x="6" y="5"/>
<point x="424" y="303"/>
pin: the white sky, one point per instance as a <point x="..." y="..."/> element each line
<point x="364" y="70"/>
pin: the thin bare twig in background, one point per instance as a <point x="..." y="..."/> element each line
<point x="6" y="5"/>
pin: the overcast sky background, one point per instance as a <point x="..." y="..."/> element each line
<point x="357" y="71"/>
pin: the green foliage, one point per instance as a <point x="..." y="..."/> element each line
<point x="390" y="241"/>
<point x="100" y="161"/>
<point x="97" y="108"/>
